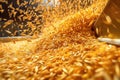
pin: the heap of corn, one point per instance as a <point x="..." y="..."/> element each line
<point x="66" y="50"/>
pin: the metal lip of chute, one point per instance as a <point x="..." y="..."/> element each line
<point x="110" y="41"/>
<point x="15" y="38"/>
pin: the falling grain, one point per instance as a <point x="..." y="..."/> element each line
<point x="67" y="48"/>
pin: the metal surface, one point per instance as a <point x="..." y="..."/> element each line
<point x="12" y="22"/>
<point x="108" y="24"/>
<point x="21" y="8"/>
<point x="16" y="38"/>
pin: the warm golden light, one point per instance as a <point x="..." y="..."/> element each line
<point x="66" y="48"/>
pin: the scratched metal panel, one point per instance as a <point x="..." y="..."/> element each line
<point x="108" y="24"/>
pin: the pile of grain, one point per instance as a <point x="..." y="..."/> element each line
<point x="68" y="50"/>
